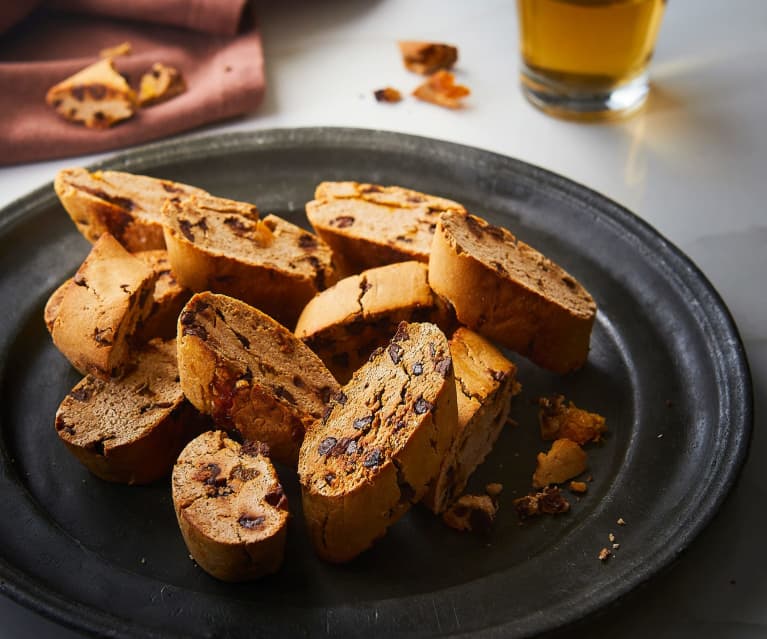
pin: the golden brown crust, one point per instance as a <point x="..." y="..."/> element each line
<point x="98" y="96"/>
<point x="379" y="444"/>
<point x="110" y="295"/>
<point x="509" y="292"/>
<point x="220" y="245"/>
<point x="250" y="373"/>
<point x="230" y="507"/>
<point x="130" y="430"/>
<point x="127" y="206"/>
<point x="347" y="322"/>
<point x="368" y="225"/>
<point x="485" y="383"/>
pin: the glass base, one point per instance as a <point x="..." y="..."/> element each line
<point x="579" y="103"/>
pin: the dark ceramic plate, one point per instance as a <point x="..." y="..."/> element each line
<point x="666" y="368"/>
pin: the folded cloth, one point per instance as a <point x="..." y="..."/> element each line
<point x="224" y="73"/>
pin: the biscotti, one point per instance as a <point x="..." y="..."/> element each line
<point x="250" y="373"/>
<point x="168" y="298"/>
<point x="368" y="225"/>
<point x="509" y="292"/>
<point x="98" y="96"/>
<point x="130" y="430"/>
<point x="485" y="383"/>
<point x="110" y="295"/>
<point x="221" y="246"/>
<point x="127" y="206"/>
<point x="230" y="507"/>
<point x="379" y="444"/>
<point x="347" y="322"/>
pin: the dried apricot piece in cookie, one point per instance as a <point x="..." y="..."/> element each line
<point x="427" y="57"/>
<point x="441" y="89"/>
<point x="560" y="420"/>
<point x="565" y="460"/>
<point x="159" y="84"/>
<point x="98" y="96"/>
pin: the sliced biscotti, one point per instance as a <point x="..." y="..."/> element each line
<point x="250" y="373"/>
<point x="130" y="430"/>
<point x="511" y="293"/>
<point x="347" y="322"/>
<point x="485" y="383"/>
<point x="168" y="297"/>
<point x="379" y="444"/>
<point x="230" y="507"/>
<point x="127" y="206"/>
<point x="221" y="246"/>
<point x="368" y="225"/>
<point x="99" y="312"/>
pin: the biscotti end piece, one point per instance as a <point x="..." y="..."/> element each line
<point x="130" y="430"/>
<point x="221" y="246"/>
<point x="347" y="322"/>
<point x="127" y="206"/>
<point x="230" y="507"/>
<point x="250" y="373"/>
<point x="379" y="443"/>
<point x="98" y="96"/>
<point x="485" y="383"/>
<point x="368" y="225"/>
<point x="159" y="84"/>
<point x="110" y="295"/>
<point x="511" y="293"/>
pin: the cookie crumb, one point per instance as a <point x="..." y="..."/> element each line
<point x="616" y="546"/>
<point x="441" y="89"/>
<point x="549" y="501"/>
<point x="604" y="554"/>
<point x="611" y="537"/>
<point x="578" y="486"/>
<point x="427" y="57"/>
<point x="471" y="513"/>
<point x="387" y="94"/>
<point x="558" y="419"/>
<point x="621" y="521"/>
<point x="494" y="489"/>
<point x="565" y="460"/>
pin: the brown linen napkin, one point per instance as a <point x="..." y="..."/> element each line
<point x="224" y="74"/>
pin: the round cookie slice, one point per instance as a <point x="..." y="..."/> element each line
<point x="230" y="506"/>
<point x="379" y="444"/>
<point x="511" y="293"/>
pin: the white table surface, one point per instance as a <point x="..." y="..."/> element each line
<point x="692" y="164"/>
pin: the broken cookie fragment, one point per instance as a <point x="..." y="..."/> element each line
<point x="441" y="89"/>
<point x="98" y="96"/>
<point x="559" y="420"/>
<point x="159" y="84"/>
<point x="565" y="460"/>
<point x="549" y="501"/>
<point x="427" y="57"/>
<point x="471" y="513"/>
<point x="124" y="48"/>
<point x="230" y="507"/>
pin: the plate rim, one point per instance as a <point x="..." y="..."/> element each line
<point x="48" y="602"/>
